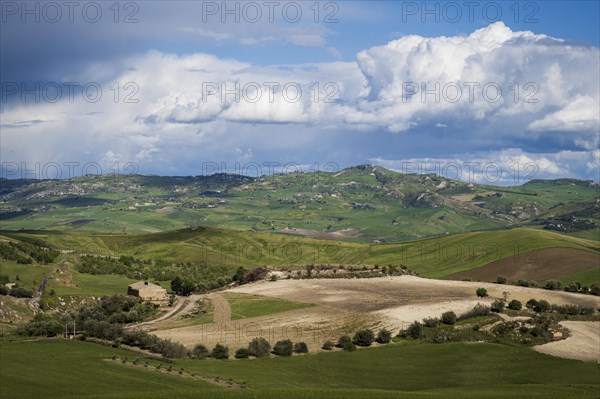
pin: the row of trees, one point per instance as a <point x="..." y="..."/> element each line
<point x="258" y="347"/>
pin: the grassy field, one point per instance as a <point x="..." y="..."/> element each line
<point x="435" y="257"/>
<point x="72" y="369"/>
<point x="90" y="284"/>
<point x="585" y="277"/>
<point x="246" y="306"/>
<point x="30" y="276"/>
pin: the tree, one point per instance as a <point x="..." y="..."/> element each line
<point x="497" y="306"/>
<point x="176" y="284"/>
<point x="481" y="292"/>
<point x="501" y="280"/>
<point x="552" y="285"/>
<point x="364" y="337"/>
<point x="383" y="336"/>
<point x="242" y="353"/>
<point x="328" y="345"/>
<point x="449" y="318"/>
<point x="415" y="330"/>
<point x="431" y="321"/>
<point x="239" y="275"/>
<point x="300" y="347"/>
<point x="187" y="287"/>
<point x="349" y="347"/>
<point x="515" y="305"/>
<point x="531" y="304"/>
<point x="259" y="347"/>
<point x="220" y="352"/>
<point x="283" y="348"/>
<point x="200" y="351"/>
<point x="542" y="306"/>
<point x="343" y="339"/>
<point x="595" y="289"/>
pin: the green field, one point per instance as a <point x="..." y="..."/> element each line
<point x="29" y="276"/>
<point x="89" y="284"/>
<point x="72" y="369"/>
<point x="229" y="249"/>
<point x="245" y="306"/>
<point x="584" y="277"/>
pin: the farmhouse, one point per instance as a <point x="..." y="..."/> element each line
<point x="148" y="291"/>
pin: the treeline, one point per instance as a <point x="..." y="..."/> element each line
<point x="198" y="276"/>
<point x="16" y="291"/>
<point x="26" y="253"/>
<point x="554" y="285"/>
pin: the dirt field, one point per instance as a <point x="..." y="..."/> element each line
<point x="582" y="344"/>
<point x="537" y="265"/>
<point x="344" y="305"/>
<point x="323" y="235"/>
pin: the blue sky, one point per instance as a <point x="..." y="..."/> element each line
<point x="369" y="57"/>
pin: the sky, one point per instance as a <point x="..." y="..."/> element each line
<point x="490" y="92"/>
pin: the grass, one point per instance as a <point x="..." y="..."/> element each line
<point x="245" y="306"/>
<point x="70" y="369"/>
<point x="30" y="276"/>
<point x="73" y="369"/>
<point x="92" y="284"/>
<point x="584" y="277"/>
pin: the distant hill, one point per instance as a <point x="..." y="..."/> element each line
<point x="364" y="203"/>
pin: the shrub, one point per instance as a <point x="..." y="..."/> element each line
<point x="220" y="352"/>
<point x="431" y="322"/>
<point x="349" y="347"/>
<point x="343" y="339"/>
<point x="383" y="336"/>
<point x="328" y="345"/>
<point x="542" y="306"/>
<point x="3" y="290"/>
<point x="531" y="304"/>
<point x="573" y="287"/>
<point x="20" y="292"/>
<point x="364" y="337"/>
<point x="515" y="305"/>
<point x="501" y="280"/>
<point x="478" y="310"/>
<point x="242" y="353"/>
<point x="259" y="347"/>
<point x="200" y="351"/>
<point x="497" y="306"/>
<point x="449" y="318"/>
<point x="481" y="292"/>
<point x="415" y="330"/>
<point x="300" y="347"/>
<point x="552" y="285"/>
<point x="283" y="348"/>
<point x="595" y="289"/>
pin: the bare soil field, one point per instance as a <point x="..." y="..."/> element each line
<point x="538" y="265"/>
<point x="323" y="235"/>
<point x="583" y="342"/>
<point x="344" y="305"/>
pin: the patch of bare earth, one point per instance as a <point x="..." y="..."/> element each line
<point x="323" y="235"/>
<point x="344" y="305"/>
<point x="538" y="265"/>
<point x="583" y="342"/>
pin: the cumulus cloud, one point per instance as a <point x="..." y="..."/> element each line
<point x="494" y="85"/>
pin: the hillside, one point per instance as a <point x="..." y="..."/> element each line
<point x="362" y="204"/>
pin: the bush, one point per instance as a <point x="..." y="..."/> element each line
<point x="501" y="280"/>
<point x="542" y="306"/>
<point x="259" y="347"/>
<point x="431" y="322"/>
<point x="552" y="285"/>
<point x="595" y="289"/>
<point x="200" y="351"/>
<point x="497" y="306"/>
<point x="343" y="339"/>
<point x="415" y="330"/>
<point x="300" y="347"/>
<point x="20" y="292"/>
<point x="3" y="289"/>
<point x="220" y="352"/>
<point x="242" y="353"/>
<point x="531" y="304"/>
<point x="449" y="318"/>
<point x="384" y="336"/>
<point x="481" y="292"/>
<point x="364" y="337"/>
<point x="349" y="347"/>
<point x="478" y="310"/>
<point x="328" y="345"/>
<point x="283" y="348"/>
<point x="515" y="305"/>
